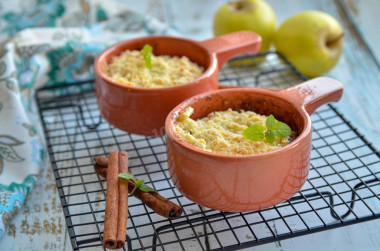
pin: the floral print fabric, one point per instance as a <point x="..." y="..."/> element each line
<point x="46" y="43"/>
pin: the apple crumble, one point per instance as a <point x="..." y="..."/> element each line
<point x="129" y="68"/>
<point x="221" y="132"/>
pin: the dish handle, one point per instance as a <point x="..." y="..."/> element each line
<point x="315" y="93"/>
<point x="232" y="44"/>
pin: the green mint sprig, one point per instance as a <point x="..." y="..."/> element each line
<point x="139" y="184"/>
<point x="273" y="128"/>
<point x="146" y="54"/>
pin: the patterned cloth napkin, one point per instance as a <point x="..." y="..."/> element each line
<point x="45" y="43"/>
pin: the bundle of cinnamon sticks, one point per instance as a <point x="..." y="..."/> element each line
<point x="116" y="213"/>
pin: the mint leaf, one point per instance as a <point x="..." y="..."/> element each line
<point x="127" y="176"/>
<point x="254" y="132"/>
<point x="146" y="54"/>
<point x="147" y="189"/>
<point x="281" y="130"/>
<point x="270" y="136"/>
<point x="270" y="122"/>
<point x="273" y="129"/>
<point x="137" y="185"/>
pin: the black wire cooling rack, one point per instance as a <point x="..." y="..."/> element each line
<point x="342" y="188"/>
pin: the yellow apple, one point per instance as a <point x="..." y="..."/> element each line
<point x="311" y="40"/>
<point x="253" y="15"/>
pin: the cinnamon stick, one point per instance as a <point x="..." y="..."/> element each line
<point x="123" y="202"/>
<point x="155" y="201"/>
<point x="112" y="201"/>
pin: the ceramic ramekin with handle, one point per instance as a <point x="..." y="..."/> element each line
<point x="143" y="110"/>
<point x="238" y="183"/>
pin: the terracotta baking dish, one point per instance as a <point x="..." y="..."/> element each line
<point x="238" y="183"/>
<point x="143" y="110"/>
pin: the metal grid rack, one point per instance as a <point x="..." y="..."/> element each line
<point x="342" y="188"/>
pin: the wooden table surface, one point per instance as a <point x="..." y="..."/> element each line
<point x="40" y="225"/>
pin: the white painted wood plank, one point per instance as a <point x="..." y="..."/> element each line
<point x="365" y="15"/>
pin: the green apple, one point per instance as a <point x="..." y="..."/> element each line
<point x="311" y="40"/>
<point x="253" y="15"/>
